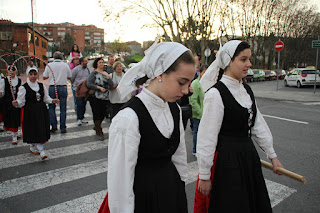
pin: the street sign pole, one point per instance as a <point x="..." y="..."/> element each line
<point x="278" y="46"/>
<point x="278" y="69"/>
<point x="316" y="44"/>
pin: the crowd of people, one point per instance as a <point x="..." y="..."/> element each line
<point x="150" y="106"/>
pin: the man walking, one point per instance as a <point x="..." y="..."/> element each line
<point x="79" y="74"/>
<point x="62" y="73"/>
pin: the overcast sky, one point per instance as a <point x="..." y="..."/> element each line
<point x="80" y="12"/>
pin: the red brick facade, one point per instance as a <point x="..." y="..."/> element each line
<point x="16" y="37"/>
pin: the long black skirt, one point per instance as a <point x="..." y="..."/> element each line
<point x="238" y="184"/>
<point x="159" y="189"/>
<point x="36" y="123"/>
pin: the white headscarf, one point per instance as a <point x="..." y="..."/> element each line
<point x="223" y="58"/>
<point x="31" y="68"/>
<point x="158" y="58"/>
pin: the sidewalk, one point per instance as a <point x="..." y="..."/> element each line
<point x="285" y="95"/>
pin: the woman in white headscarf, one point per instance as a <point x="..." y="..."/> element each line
<point x="147" y="161"/>
<point x="33" y="97"/>
<point x="229" y="165"/>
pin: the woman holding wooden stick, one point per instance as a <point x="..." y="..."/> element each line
<point x="230" y="121"/>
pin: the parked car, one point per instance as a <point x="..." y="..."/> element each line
<point x="268" y="75"/>
<point x="249" y="75"/>
<point x="273" y="75"/>
<point x="281" y="74"/>
<point x="301" y="77"/>
<point x="259" y="75"/>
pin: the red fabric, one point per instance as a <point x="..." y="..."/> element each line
<point x="104" y="208"/>
<point x="1" y="118"/>
<point x="11" y="129"/>
<point x="201" y="202"/>
<point x="21" y="118"/>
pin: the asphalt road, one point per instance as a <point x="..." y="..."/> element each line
<point x="73" y="178"/>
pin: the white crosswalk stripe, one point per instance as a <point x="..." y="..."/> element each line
<point x="54" y="138"/>
<point x="26" y="185"/>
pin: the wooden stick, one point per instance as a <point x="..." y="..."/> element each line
<point x="285" y="172"/>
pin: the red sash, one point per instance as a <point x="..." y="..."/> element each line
<point x="104" y="208"/>
<point x="201" y="202"/>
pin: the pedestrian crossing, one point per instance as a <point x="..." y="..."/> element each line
<point x="73" y="178"/>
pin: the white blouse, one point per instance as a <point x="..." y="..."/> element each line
<point x="14" y="82"/>
<point x="35" y="87"/>
<point x="211" y="121"/>
<point x="124" y="139"/>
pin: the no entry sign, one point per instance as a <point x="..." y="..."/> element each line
<point x="279" y="45"/>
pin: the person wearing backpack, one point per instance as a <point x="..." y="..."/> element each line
<point x="79" y="74"/>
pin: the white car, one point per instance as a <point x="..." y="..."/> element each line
<point x="301" y="77"/>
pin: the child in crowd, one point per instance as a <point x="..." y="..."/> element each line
<point x="11" y="117"/>
<point x="147" y="161"/>
<point x="33" y="97"/>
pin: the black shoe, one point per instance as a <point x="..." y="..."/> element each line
<point x="53" y="130"/>
<point x="63" y="131"/>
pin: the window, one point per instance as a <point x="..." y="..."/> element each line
<point x="61" y="28"/>
<point x="61" y="33"/>
<point x="44" y="44"/>
<point x="44" y="28"/>
<point x="37" y="41"/>
<point x="87" y="38"/>
<point x="96" y="34"/>
<point x="87" y="33"/>
<point x="30" y="37"/>
<point x="5" y="35"/>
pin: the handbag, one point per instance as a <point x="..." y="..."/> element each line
<point x="82" y="89"/>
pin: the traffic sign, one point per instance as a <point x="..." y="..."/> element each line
<point x="279" y="45"/>
<point x="316" y="44"/>
<point x="207" y="52"/>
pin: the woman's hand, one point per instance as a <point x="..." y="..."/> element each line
<point x="55" y="101"/>
<point x="101" y="89"/>
<point x="106" y="74"/>
<point x="276" y="163"/>
<point x="205" y="187"/>
<point x="191" y="89"/>
<point x="15" y="103"/>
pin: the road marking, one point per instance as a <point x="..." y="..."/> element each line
<point x="286" y="119"/>
<point x="91" y="203"/>
<point x="312" y="103"/>
<point x="42" y="180"/>
<point x="22" y="159"/>
<point x="69" y="125"/>
<point x="55" y="137"/>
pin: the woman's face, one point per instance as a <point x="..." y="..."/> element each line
<point x="12" y="73"/>
<point x="238" y="68"/>
<point x="175" y="84"/>
<point x="33" y="76"/>
<point x="100" y="64"/>
<point x="75" y="48"/>
<point x="118" y="68"/>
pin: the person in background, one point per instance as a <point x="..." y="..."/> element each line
<point x="75" y="52"/>
<point x="147" y="162"/>
<point x="62" y="74"/>
<point x="109" y="68"/>
<point x="33" y="97"/>
<point x="101" y="83"/>
<point x="79" y="74"/>
<point x="75" y="62"/>
<point x="116" y="102"/>
<point x="229" y="165"/>
<point x="1" y="104"/>
<point x="11" y="115"/>
<point x="196" y="102"/>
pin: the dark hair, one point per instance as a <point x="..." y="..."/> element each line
<point x="203" y="67"/>
<point x="72" y="50"/>
<point x="95" y="63"/>
<point x="81" y="59"/>
<point x="242" y="46"/>
<point x="13" y="68"/>
<point x="186" y="57"/>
